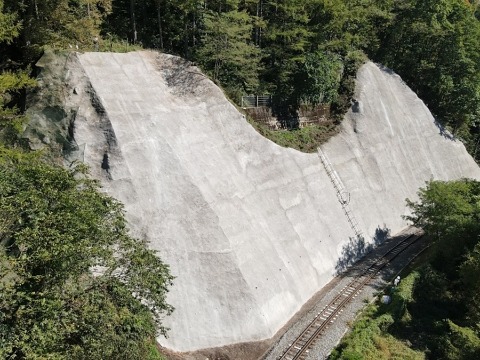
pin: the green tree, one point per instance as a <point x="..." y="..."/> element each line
<point x="60" y="22"/>
<point x="447" y="293"/>
<point x="73" y="283"/>
<point x="227" y="51"/>
<point x="11" y="121"/>
<point x="285" y="44"/>
<point x="470" y="279"/>
<point x="9" y="25"/>
<point x="319" y="78"/>
<point x="435" y="46"/>
<point x="343" y="26"/>
<point x="11" y="83"/>
<point x="449" y="211"/>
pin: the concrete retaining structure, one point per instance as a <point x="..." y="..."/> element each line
<point x="250" y="229"/>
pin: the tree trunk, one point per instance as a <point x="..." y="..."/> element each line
<point x="194" y="27"/>
<point x="185" y="36"/>
<point x="159" y="17"/>
<point x="36" y="9"/>
<point x="259" y="29"/>
<point x="134" y="23"/>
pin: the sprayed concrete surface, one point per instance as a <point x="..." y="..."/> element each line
<point x="251" y="230"/>
<point x="389" y="146"/>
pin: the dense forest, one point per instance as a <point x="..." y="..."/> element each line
<point x="298" y="51"/>
<point x="301" y="52"/>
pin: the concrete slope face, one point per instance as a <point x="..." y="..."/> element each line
<point x="251" y="230"/>
<point x="389" y="146"/>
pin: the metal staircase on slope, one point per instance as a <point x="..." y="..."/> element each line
<point x="342" y="195"/>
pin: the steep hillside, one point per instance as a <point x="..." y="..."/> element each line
<point x="389" y="146"/>
<point x="250" y="229"/>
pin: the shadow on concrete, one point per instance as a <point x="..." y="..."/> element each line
<point x="444" y="132"/>
<point x="386" y="69"/>
<point x="381" y="235"/>
<point x="357" y="247"/>
<point x="182" y="75"/>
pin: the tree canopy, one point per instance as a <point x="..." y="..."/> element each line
<point x="11" y="81"/>
<point x="450" y="211"/>
<point x="73" y="283"/>
<point x="447" y="289"/>
<point x="435" y="47"/>
<point x="227" y="51"/>
<point x="266" y="46"/>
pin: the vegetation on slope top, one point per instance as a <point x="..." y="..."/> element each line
<point x="306" y="139"/>
<point x="298" y="51"/>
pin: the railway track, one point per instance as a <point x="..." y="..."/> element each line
<point x="326" y="317"/>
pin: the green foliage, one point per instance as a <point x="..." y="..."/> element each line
<point x="321" y="74"/>
<point x="112" y="43"/>
<point x="343" y="26"/>
<point x="70" y="269"/>
<point x="11" y="83"/>
<point x="437" y="305"/>
<point x="449" y="211"/>
<point x="370" y="337"/>
<point x="351" y="63"/>
<point x="227" y="50"/>
<point x="306" y="139"/>
<point x="435" y="47"/>
<point x="59" y="23"/>
<point x="470" y="269"/>
<point x="285" y="41"/>
<point x="462" y="343"/>
<point x="9" y="25"/>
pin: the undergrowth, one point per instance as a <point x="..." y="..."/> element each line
<point x="306" y="139"/>
<point x="370" y="337"/>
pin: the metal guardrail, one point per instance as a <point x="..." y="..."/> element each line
<point x="252" y="101"/>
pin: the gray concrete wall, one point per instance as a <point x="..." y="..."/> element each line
<point x="250" y="229"/>
<point x="389" y="146"/>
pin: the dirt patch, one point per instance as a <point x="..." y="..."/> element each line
<point x="244" y="351"/>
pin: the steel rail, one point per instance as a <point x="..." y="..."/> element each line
<point x="299" y="348"/>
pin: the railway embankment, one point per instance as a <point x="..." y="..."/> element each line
<point x="321" y="327"/>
